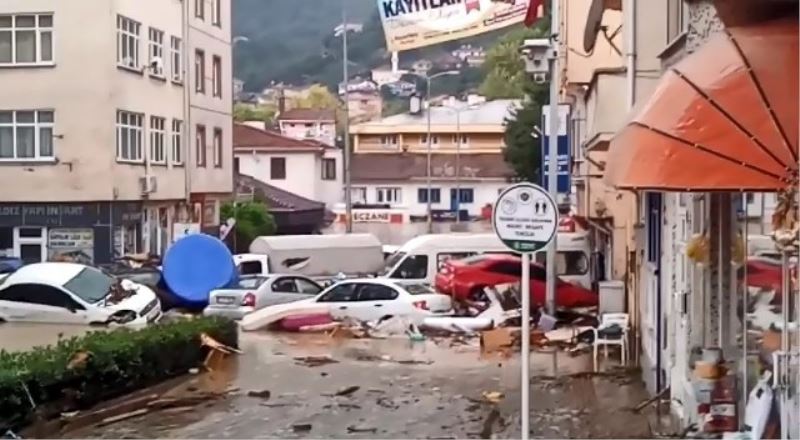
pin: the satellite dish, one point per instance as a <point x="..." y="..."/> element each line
<point x="593" y="24"/>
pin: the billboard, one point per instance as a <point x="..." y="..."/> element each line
<point x="564" y="158"/>
<point x="409" y="24"/>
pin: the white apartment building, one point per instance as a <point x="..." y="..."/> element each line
<point x="309" y="124"/>
<point x="105" y="136"/>
<point x="306" y="168"/>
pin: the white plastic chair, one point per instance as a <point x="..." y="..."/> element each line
<point x="608" y="320"/>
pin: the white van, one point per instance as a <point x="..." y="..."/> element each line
<point x="422" y="257"/>
<point x="313" y="255"/>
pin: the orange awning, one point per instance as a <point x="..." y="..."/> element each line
<point x="725" y="118"/>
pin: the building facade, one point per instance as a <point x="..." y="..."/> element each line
<point x="309" y="124"/>
<point x="309" y="169"/>
<point x="467" y="168"/>
<point x="94" y="131"/>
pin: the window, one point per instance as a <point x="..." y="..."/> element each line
<point x="127" y="42"/>
<point x="130" y="136"/>
<point x="307" y="286"/>
<point x="653" y="225"/>
<point x="464" y="140"/>
<point x="284" y="285"/>
<point x="414" y="267"/>
<point x="200" y="145"/>
<point x="342" y="292"/>
<point x="376" y="292"/>
<point x="388" y="195"/>
<point x="567" y="262"/>
<point x="26" y="39"/>
<point x="434" y="140"/>
<point x="250" y="268"/>
<point x="90" y="285"/>
<point x="389" y="140"/>
<point x="677" y="19"/>
<point x="39" y="294"/>
<point x="328" y="169"/>
<point x="199" y="71"/>
<point x="422" y="195"/>
<point x="218" y="147"/>
<point x="277" y="168"/>
<point x="177" y="142"/>
<point x="176" y="57"/>
<point x="157" y="140"/>
<point x="358" y="194"/>
<point x="200" y="9"/>
<point x="467" y="195"/>
<point x="216" y="77"/>
<point x="26" y="135"/>
<point x="216" y="13"/>
<point x="156" y="53"/>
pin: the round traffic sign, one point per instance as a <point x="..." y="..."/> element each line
<point x="525" y="217"/>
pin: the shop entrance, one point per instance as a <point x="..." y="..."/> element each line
<point x="30" y="244"/>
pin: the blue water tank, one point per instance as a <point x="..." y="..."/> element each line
<point x="194" y="266"/>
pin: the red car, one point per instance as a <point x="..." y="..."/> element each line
<point x="466" y="279"/>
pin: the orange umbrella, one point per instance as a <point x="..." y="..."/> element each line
<point x="725" y="118"/>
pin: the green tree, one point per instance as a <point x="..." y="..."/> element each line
<point x="524" y="151"/>
<point x="245" y="112"/>
<point x="504" y="68"/>
<point x="252" y="220"/>
<point x="317" y="97"/>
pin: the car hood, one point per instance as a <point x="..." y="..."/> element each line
<point x="140" y="297"/>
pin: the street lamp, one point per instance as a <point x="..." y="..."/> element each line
<point x="458" y="111"/>
<point x="428" y="175"/>
<point x="348" y="196"/>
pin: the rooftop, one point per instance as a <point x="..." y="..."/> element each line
<point x="246" y="137"/>
<point x="308" y="114"/>
<point x="490" y="114"/>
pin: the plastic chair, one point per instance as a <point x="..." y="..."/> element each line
<point x="608" y="321"/>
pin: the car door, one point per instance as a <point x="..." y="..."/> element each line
<point x="43" y="303"/>
<point x="342" y="299"/>
<point x="378" y="300"/>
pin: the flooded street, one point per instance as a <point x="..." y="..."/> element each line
<point x="390" y="388"/>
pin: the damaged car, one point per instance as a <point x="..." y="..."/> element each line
<point x="70" y="293"/>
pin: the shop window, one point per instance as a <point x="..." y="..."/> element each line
<point x="654" y="208"/>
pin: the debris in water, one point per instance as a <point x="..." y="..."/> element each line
<point x="493" y="396"/>
<point x="315" y="361"/>
<point x="347" y="390"/>
<point x="194" y="371"/>
<point x="301" y="427"/>
<point x="78" y="360"/>
<point x="353" y="429"/>
<point x="263" y="394"/>
<point x="125" y="416"/>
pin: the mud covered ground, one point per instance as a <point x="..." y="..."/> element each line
<point x="404" y="390"/>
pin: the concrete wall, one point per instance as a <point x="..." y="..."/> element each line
<point x="484" y="192"/>
<point x="577" y="65"/>
<point x="299" y="166"/>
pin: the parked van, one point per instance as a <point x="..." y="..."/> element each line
<point x="422" y="257"/>
<point x="313" y="255"/>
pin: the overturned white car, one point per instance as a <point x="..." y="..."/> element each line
<point x="69" y="293"/>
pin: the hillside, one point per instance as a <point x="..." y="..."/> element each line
<point x="292" y="41"/>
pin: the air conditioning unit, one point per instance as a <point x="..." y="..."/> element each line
<point x="148" y="184"/>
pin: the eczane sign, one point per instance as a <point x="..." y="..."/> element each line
<point x="525" y="218"/>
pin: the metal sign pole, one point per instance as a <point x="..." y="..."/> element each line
<point x="552" y="172"/>
<point x="525" y="381"/>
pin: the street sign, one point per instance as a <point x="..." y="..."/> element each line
<point x="525" y="218"/>
<point x="564" y="171"/>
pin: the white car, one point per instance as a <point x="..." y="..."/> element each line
<point x="71" y="293"/>
<point x="373" y="298"/>
<point x="254" y="292"/>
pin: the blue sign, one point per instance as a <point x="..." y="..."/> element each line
<point x="564" y="170"/>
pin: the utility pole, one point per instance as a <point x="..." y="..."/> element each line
<point x="348" y="193"/>
<point x="552" y="162"/>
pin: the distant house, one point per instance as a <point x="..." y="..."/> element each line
<point x="385" y="75"/>
<point x="402" y="89"/>
<point x="473" y="56"/>
<point x="364" y="85"/>
<point x="309" y="124"/>
<point x="364" y="106"/>
<point x="306" y="168"/>
<point x="422" y="67"/>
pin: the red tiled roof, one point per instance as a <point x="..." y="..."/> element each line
<point x="376" y="166"/>
<point x="307" y="114"/>
<point x="248" y="138"/>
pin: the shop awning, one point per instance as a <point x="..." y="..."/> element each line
<point x="725" y="118"/>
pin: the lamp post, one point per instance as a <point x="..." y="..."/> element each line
<point x="348" y="196"/>
<point x="458" y="111"/>
<point x="428" y="174"/>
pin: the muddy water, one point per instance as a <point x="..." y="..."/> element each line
<point x="406" y="390"/>
<point x="24" y="336"/>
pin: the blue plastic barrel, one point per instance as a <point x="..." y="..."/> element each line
<point x="194" y="266"/>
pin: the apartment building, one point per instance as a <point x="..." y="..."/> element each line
<point x="467" y="168"/>
<point x="96" y="123"/>
<point x="309" y="124"/>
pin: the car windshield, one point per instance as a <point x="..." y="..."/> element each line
<point x="391" y="262"/>
<point x="250" y="282"/>
<point x="91" y="285"/>
<point x="417" y="288"/>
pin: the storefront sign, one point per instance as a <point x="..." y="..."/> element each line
<point x="55" y="214"/>
<point x="372" y="217"/>
<point x="76" y="245"/>
<point x="410" y="24"/>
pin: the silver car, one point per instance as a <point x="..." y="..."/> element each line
<point x="254" y="292"/>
